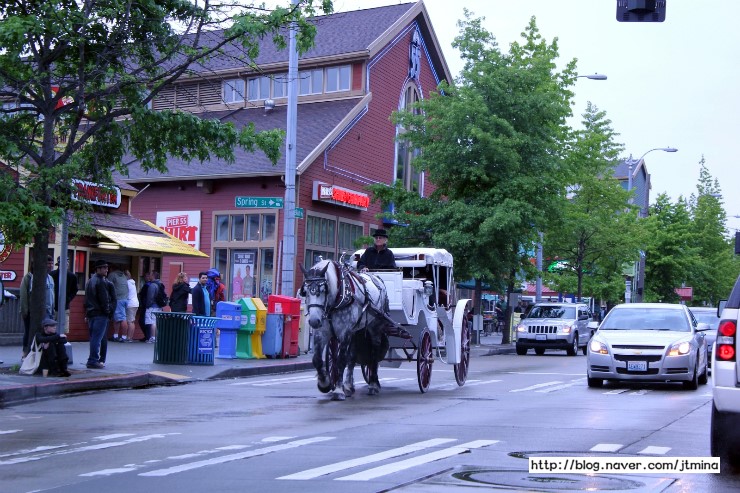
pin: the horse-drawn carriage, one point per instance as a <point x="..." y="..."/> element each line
<point x="403" y="315"/>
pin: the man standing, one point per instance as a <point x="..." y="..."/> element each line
<point x="120" y="284"/>
<point x="71" y="290"/>
<point x="378" y="256"/>
<point x="100" y="303"/>
<point x="151" y="307"/>
<point x="201" y="297"/>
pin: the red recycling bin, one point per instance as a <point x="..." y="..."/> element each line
<point x="290" y="308"/>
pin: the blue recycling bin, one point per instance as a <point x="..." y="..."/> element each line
<point x="272" y="339"/>
<point x="229" y="315"/>
<point x="202" y="340"/>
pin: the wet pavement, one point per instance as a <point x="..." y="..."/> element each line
<point x="132" y="366"/>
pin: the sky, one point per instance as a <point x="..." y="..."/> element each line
<point x="670" y="84"/>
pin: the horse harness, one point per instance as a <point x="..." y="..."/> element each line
<point x="346" y="281"/>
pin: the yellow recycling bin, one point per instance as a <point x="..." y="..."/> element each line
<point x="259" y="328"/>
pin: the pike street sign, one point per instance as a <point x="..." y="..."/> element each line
<point x="259" y="202"/>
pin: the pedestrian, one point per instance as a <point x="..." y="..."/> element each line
<point x="201" y="296"/>
<point x="152" y="307"/>
<point x="216" y="289"/>
<point x="100" y="303"/>
<point x="378" y="256"/>
<point x="25" y="302"/>
<point x="180" y="292"/>
<point x="71" y="290"/>
<point x="132" y="306"/>
<point x="53" y="353"/>
<point x="143" y="293"/>
<point x="120" y="282"/>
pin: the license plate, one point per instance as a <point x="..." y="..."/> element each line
<point x="637" y="366"/>
<point x="541" y="337"/>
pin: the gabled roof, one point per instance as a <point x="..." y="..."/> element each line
<point x="324" y="119"/>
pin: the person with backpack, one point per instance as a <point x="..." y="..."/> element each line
<point x="156" y="299"/>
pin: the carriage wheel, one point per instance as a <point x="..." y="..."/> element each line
<point x="332" y="355"/>
<point x="461" y="368"/>
<point x="424" y="361"/>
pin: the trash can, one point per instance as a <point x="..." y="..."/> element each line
<point x="272" y="339"/>
<point x="229" y="316"/>
<point x="246" y="329"/>
<point x="291" y="309"/>
<point x="259" y="328"/>
<point x="202" y="340"/>
<point x="173" y="333"/>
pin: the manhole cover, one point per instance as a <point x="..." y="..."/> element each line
<point x="570" y="482"/>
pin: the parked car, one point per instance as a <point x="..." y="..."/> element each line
<point x="725" y="433"/>
<point x="554" y="326"/>
<point x="648" y="342"/>
<point x="709" y="316"/>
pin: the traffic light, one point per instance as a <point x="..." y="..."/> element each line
<point x="641" y="10"/>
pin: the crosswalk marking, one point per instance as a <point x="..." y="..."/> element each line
<point x="537" y="386"/>
<point x="233" y="457"/>
<point x="655" y="450"/>
<point x="416" y="461"/>
<point x="606" y="447"/>
<point x="8" y="432"/>
<point x="563" y="386"/>
<point x="369" y="459"/>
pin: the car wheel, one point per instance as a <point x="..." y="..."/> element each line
<point x="725" y="438"/>
<point x="703" y="378"/>
<point x="692" y="384"/>
<point x="585" y="349"/>
<point x="521" y="351"/>
<point x="595" y="383"/>
<point x="539" y="351"/>
<point x="573" y="349"/>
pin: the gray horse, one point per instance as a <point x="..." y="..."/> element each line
<point x="346" y="310"/>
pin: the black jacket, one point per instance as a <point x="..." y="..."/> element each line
<point x="100" y="297"/>
<point x="199" y="301"/>
<point x="179" y="297"/>
<point x="374" y="259"/>
<point x="71" y="286"/>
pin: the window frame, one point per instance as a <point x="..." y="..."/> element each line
<point x="227" y="88"/>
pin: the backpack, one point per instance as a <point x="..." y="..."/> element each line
<point x="161" y="298"/>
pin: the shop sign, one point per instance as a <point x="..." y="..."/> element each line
<point x="5" y="249"/>
<point x="183" y="225"/>
<point x="340" y="196"/>
<point x="7" y="275"/>
<point x="96" y="193"/>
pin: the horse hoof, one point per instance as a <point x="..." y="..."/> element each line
<point x="324" y="388"/>
<point x="349" y="391"/>
<point x="337" y="396"/>
<point x="373" y="390"/>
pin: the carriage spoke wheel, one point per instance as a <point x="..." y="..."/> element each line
<point x="332" y="354"/>
<point x="461" y="368"/>
<point x="424" y="361"/>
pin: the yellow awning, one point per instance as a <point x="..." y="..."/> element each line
<point x="165" y="243"/>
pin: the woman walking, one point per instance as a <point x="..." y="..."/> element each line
<point x="180" y="292"/>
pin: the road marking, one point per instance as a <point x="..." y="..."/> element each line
<point x="277" y="381"/>
<point x="641" y="392"/>
<point x="233" y="457"/>
<point x="606" y="447"/>
<point x="469" y="383"/>
<point x="538" y="386"/>
<point x="616" y="391"/>
<point x="369" y="459"/>
<point x="114" y="437"/>
<point x="416" y="461"/>
<point x="563" y="386"/>
<point x="8" y="432"/>
<point x="655" y="450"/>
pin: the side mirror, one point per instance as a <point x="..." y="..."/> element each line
<point x="702" y="327"/>
<point x="593" y="325"/>
<point x="721" y="307"/>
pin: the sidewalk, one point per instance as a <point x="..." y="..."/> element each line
<point x="131" y="366"/>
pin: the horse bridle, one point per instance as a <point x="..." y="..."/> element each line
<point x="314" y="286"/>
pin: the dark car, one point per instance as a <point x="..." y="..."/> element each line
<point x="709" y="316"/>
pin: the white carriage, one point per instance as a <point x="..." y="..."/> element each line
<point x="428" y="322"/>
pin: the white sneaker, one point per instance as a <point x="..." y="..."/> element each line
<point x="151" y="340"/>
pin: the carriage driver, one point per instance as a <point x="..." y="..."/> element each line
<point x="378" y="256"/>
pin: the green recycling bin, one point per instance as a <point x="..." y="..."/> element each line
<point x="246" y="329"/>
<point x="173" y="336"/>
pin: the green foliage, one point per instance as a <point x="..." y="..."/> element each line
<point x="491" y="147"/>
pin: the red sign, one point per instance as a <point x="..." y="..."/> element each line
<point x="4" y="248"/>
<point x="340" y="196"/>
<point x="7" y="275"/>
<point x="95" y="193"/>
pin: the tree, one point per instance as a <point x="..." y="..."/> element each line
<point x="598" y="230"/>
<point x="76" y="80"/>
<point x="491" y="146"/>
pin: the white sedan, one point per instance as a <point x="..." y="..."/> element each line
<point x="648" y="342"/>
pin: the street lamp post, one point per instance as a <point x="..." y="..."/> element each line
<point x="639" y="270"/>
<point x="538" y="284"/>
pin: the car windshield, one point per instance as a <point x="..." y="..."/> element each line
<point x="646" y="319"/>
<point x="552" y="311"/>
<point x="708" y="317"/>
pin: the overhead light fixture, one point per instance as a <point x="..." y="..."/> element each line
<point x="107" y="245"/>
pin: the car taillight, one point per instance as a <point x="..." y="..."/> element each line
<point x="725" y="342"/>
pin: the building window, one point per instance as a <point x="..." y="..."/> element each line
<point x="320" y="239"/>
<point x="280" y="86"/>
<point x="233" y="91"/>
<point x="311" y="82"/>
<point x="338" y="78"/>
<point x="405" y="154"/>
<point x="258" y="88"/>
<point x="266" y="273"/>
<point x="348" y="233"/>
<point x="244" y="227"/>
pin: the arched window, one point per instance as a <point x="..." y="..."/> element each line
<point x="405" y="154"/>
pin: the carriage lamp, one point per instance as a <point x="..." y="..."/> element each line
<point x="679" y="349"/>
<point x="428" y="288"/>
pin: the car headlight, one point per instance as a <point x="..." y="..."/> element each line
<point x="597" y="346"/>
<point x="680" y="348"/>
<point x="521" y="328"/>
<point x="565" y="329"/>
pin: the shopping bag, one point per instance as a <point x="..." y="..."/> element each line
<point x="32" y="360"/>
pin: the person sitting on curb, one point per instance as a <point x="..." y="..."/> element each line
<point x="53" y="355"/>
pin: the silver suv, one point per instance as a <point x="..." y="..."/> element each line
<point x="554" y="326"/>
<point x="725" y="433"/>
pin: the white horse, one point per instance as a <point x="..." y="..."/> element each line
<point x="346" y="310"/>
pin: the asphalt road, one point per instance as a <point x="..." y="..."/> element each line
<point x="279" y="434"/>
